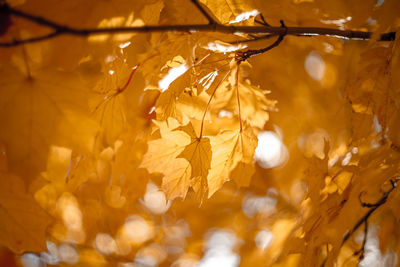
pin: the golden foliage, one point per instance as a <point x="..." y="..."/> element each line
<point x="161" y="148"/>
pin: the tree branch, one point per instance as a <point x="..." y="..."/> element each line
<point x="364" y="219"/>
<point x="211" y="21"/>
<point x="361" y="251"/>
<point x="31" y="40"/>
<point x="372" y="207"/>
<point x="242" y="56"/>
<point x="59" y="29"/>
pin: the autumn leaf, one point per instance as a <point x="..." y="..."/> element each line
<point x="198" y="154"/>
<point x="23" y="223"/>
<point x="109" y="106"/>
<point x="227" y="10"/>
<point x="167" y="101"/>
<point x="118" y="119"/>
<point x="172" y="144"/>
<point x="166" y="54"/>
<point x="180" y="98"/>
<point x="372" y="92"/>
<point x="182" y="157"/>
<point x="162" y="152"/>
<point x="254" y="105"/>
<point x="36" y="115"/>
<point x="177" y="179"/>
<point x="233" y="153"/>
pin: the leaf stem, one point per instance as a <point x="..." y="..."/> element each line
<point x="237" y="93"/>
<point x="119" y="89"/>
<point x="129" y="79"/>
<point x="28" y="69"/>
<point x="209" y="101"/>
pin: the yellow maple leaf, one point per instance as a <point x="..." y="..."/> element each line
<point x="23" y="223"/>
<point x="176" y="181"/>
<point x="172" y="86"/>
<point x="233" y="153"/>
<point x="227" y="10"/>
<point x="186" y="95"/>
<point x="182" y="157"/>
<point x="161" y="157"/>
<point x="165" y="149"/>
<point x="254" y="105"/>
<point x="38" y="111"/>
<point x="110" y="106"/>
<point x="198" y="154"/>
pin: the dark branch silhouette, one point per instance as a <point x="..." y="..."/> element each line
<point x="204" y="12"/>
<point x="242" y="56"/>
<point x="364" y="219"/>
<point x="213" y="26"/>
<point x="372" y="207"/>
<point x="360" y="252"/>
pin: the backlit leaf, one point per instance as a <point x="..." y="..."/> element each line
<point x="233" y="153"/>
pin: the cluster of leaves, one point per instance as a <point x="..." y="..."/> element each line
<point x="105" y="156"/>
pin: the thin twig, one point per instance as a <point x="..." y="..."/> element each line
<point x="362" y="249"/>
<point x="263" y="21"/>
<point x="372" y="207"/>
<point x="31" y="40"/>
<point x="242" y="56"/>
<point x="59" y="29"/>
<point x="253" y="39"/>
<point x="364" y="219"/>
